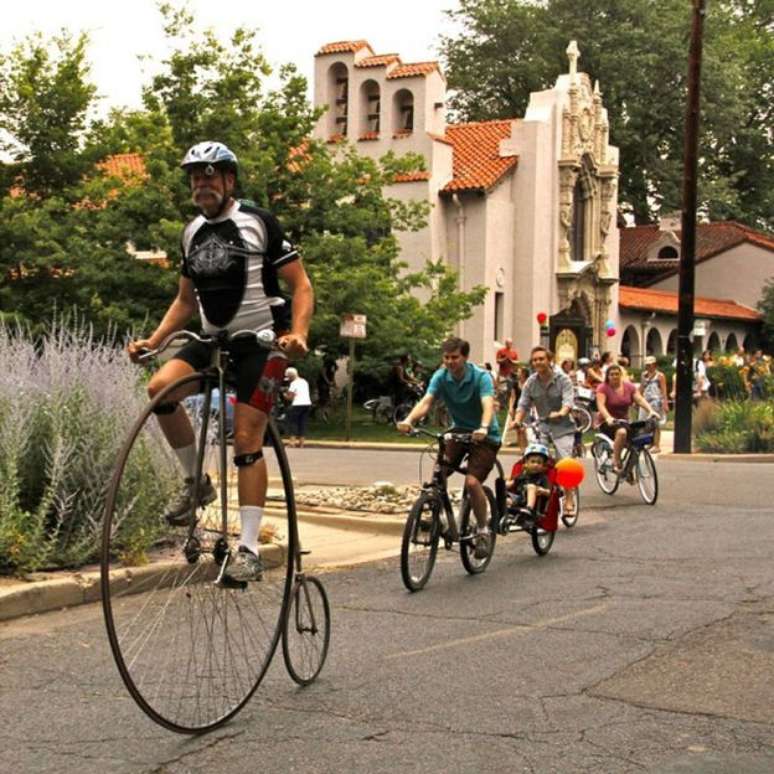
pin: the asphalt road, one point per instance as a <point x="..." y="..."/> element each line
<point x="643" y="642"/>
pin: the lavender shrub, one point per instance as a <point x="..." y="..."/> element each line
<point x="66" y="405"/>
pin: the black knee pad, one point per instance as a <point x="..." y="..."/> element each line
<point x="165" y="408"/>
<point x="240" y="460"/>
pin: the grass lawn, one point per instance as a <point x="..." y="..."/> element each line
<point x="364" y="428"/>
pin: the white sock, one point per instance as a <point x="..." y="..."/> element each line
<point x="250" y="516"/>
<point x="187" y="457"/>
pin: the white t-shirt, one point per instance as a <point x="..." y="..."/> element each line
<point x="300" y="389"/>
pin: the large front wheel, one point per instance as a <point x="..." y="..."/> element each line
<point x="190" y="652"/>
<point x="647" y="477"/>
<point x="420" y="541"/>
<point x="469" y="543"/>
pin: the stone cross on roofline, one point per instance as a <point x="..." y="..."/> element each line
<point x="573" y="54"/>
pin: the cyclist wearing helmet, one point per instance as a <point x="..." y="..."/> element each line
<point x="530" y="483"/>
<point x="233" y="257"/>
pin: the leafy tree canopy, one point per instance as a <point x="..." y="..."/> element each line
<point x="64" y="239"/>
<point x="638" y="50"/>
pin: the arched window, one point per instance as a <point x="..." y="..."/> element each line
<point x="403" y="112"/>
<point x="713" y="343"/>
<point x="731" y="343"/>
<point x="370" y="109"/>
<point x="630" y="345"/>
<point x="672" y="343"/>
<point x="667" y="253"/>
<point x="582" y="212"/>
<point x="338" y="99"/>
<point x="654" y="344"/>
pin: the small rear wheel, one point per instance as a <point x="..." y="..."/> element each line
<point x="607" y="478"/>
<point x="542" y="540"/>
<point x="307" y="630"/>
<point x="571" y="519"/>
<point x="647" y="478"/>
<point x="420" y="541"/>
<point x="468" y="524"/>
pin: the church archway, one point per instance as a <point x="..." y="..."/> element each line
<point x="731" y="343"/>
<point x="630" y="345"/>
<point x="713" y="342"/>
<point x="654" y="344"/>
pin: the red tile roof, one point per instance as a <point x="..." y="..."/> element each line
<point x="711" y="239"/>
<point x="440" y="138"/>
<point x="666" y="302"/>
<point x="379" y="60"/>
<point x="412" y="177"/>
<point x="409" y="70"/>
<point x="343" y="47"/>
<point x="477" y="161"/>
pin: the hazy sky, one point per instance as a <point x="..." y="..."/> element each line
<point x="288" y="31"/>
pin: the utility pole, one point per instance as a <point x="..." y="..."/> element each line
<point x="685" y="320"/>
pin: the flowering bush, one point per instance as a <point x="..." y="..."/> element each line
<point x="66" y="404"/>
<point x="737" y="427"/>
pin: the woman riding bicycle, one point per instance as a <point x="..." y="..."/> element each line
<point x="615" y="398"/>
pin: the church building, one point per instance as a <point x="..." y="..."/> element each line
<point x="526" y="207"/>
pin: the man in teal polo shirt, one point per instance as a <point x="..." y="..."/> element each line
<point x="468" y="393"/>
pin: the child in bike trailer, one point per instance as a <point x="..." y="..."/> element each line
<point x="531" y="487"/>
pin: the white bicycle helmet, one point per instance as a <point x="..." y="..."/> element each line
<point x="215" y="154"/>
<point x="536" y="448"/>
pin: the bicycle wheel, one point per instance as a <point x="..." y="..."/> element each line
<point x="307" y="631"/>
<point x="571" y="521"/>
<point x="190" y="653"/>
<point x="607" y="478"/>
<point x="647" y="477"/>
<point x="420" y="541"/>
<point x="582" y="418"/>
<point x="468" y="525"/>
<point x="542" y="540"/>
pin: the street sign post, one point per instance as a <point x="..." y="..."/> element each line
<point x="353" y="326"/>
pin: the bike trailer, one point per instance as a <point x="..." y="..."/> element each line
<point x="549" y="521"/>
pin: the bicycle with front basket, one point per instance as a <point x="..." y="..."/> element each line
<point x="637" y="463"/>
<point x="190" y="649"/>
<point x="432" y="518"/>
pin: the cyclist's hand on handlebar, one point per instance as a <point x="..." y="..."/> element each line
<point x="554" y="415"/>
<point x="404" y="427"/>
<point x="610" y="422"/>
<point x="478" y="435"/>
<point x="293" y="345"/>
<point x="136" y="349"/>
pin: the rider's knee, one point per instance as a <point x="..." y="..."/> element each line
<point x="471" y="482"/>
<point x="247" y="440"/>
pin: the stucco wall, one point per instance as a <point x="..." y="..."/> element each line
<point x="738" y="274"/>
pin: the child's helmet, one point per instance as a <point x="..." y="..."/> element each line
<point x="537" y="448"/>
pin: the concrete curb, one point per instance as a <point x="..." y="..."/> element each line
<point x="702" y="457"/>
<point x="366" y="523"/>
<point x="32" y="597"/>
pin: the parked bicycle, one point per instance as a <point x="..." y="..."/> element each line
<point x="637" y="463"/>
<point x="432" y="518"/>
<point x="190" y="647"/>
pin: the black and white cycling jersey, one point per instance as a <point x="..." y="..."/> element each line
<point x="233" y="261"/>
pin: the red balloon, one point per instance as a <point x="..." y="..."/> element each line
<point x="569" y="472"/>
<point x="611" y="331"/>
<point x="541" y="317"/>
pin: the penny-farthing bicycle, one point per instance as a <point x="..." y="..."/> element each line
<point x="190" y="649"/>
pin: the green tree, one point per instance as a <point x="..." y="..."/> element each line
<point x="766" y="306"/>
<point x="638" y="51"/>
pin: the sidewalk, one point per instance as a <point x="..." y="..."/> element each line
<point x="334" y="539"/>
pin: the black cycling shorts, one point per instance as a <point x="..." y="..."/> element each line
<point x="256" y="382"/>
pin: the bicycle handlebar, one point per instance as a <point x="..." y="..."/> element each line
<point x="265" y="339"/>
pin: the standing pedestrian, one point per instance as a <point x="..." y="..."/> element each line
<point x="300" y="406"/>
<point x="653" y="387"/>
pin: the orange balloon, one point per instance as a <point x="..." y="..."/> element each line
<point x="569" y="472"/>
